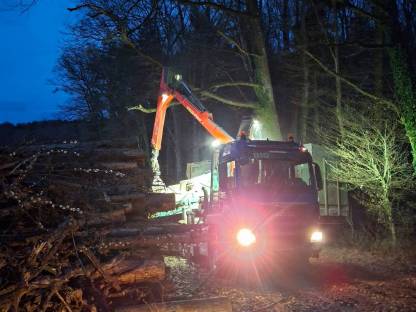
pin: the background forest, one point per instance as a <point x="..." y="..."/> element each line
<point x="338" y="73"/>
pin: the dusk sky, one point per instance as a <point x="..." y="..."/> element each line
<point x="29" y="50"/>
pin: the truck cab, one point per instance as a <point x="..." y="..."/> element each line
<point x="264" y="203"/>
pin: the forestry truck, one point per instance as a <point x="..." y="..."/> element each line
<point x="263" y="203"/>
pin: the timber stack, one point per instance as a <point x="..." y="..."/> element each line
<point x="75" y="233"/>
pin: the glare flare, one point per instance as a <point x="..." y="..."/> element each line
<point x="246" y="237"/>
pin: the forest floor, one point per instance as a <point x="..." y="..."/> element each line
<point x="342" y="279"/>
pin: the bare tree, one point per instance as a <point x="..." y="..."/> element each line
<point x="372" y="158"/>
<point x="78" y="74"/>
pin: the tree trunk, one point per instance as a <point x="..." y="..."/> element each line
<point x="338" y="90"/>
<point x="378" y="63"/>
<point x="390" y="221"/>
<point x="285" y="26"/>
<point x="403" y="84"/>
<point x="304" y="107"/>
<point x="393" y="233"/>
<point x="266" y="113"/>
<point x="315" y="105"/>
<point x="403" y="89"/>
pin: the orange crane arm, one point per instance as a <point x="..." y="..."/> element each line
<point x="184" y="96"/>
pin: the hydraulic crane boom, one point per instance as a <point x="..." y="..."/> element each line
<point x="172" y="87"/>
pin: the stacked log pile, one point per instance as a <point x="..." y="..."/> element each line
<point x="63" y="210"/>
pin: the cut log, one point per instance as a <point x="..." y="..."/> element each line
<point x="61" y="183"/>
<point x="153" y="203"/>
<point x="151" y="241"/>
<point x="128" y="197"/>
<point x="143" y="204"/>
<point x="217" y="304"/>
<point x="156" y="202"/>
<point x="121" y="189"/>
<point x="129" y="271"/>
<point x="9" y="165"/>
<point x="142" y="230"/>
<point x="119" y="165"/>
<point x="101" y="147"/>
<point x="119" y="154"/>
<point x="132" y="153"/>
<point x="117" y="216"/>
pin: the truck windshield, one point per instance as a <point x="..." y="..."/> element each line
<point x="275" y="173"/>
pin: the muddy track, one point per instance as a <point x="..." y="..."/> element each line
<point x="329" y="284"/>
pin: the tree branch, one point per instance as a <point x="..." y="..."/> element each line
<point x="234" y="84"/>
<point x="362" y="45"/>
<point x="360" y="10"/>
<point x="120" y="25"/>
<point x="94" y="7"/>
<point x="233" y="42"/>
<point x="357" y="88"/>
<point x="142" y="109"/>
<point x="230" y="102"/>
<point x="67" y="307"/>
<point x="218" y="6"/>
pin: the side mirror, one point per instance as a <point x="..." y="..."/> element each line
<point x="318" y="176"/>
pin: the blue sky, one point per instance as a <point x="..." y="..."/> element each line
<point x="30" y="45"/>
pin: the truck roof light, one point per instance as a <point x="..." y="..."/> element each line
<point x="215" y="143"/>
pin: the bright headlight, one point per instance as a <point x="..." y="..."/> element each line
<point x="317" y="237"/>
<point x="245" y="237"/>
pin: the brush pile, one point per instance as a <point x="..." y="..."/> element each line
<point x="74" y="228"/>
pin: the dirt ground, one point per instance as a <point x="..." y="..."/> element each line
<point x="342" y="279"/>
